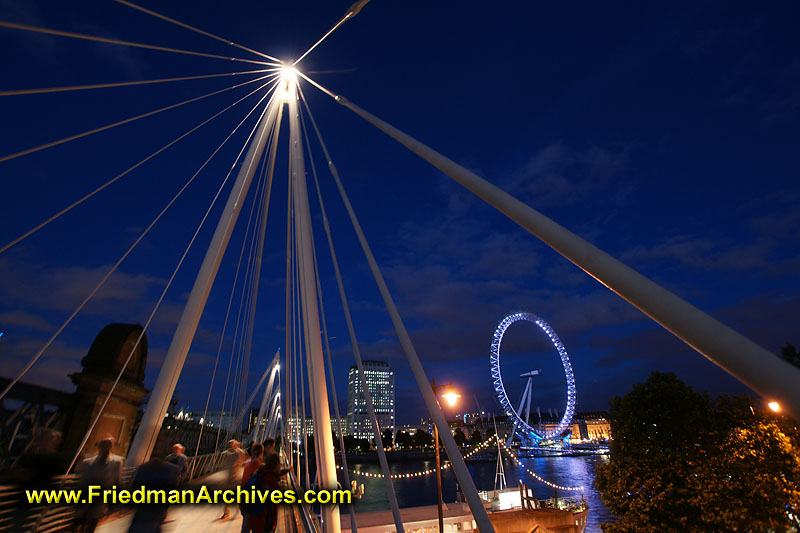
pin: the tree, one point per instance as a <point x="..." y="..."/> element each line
<point x="387" y="438"/>
<point x="460" y="438"/>
<point x="790" y="354"/>
<point x="422" y="439"/>
<point x="476" y="438"/>
<point x="680" y="462"/>
<point x="404" y="440"/>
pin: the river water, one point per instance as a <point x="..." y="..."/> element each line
<point x="412" y="492"/>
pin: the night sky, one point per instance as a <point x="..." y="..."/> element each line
<point x="666" y="134"/>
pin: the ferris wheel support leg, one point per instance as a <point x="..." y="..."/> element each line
<point x="759" y="369"/>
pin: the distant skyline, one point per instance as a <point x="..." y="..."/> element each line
<point x="665" y="134"/>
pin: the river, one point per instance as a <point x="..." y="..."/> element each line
<point x="412" y="492"/>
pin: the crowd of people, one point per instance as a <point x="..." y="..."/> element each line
<point x="259" y="467"/>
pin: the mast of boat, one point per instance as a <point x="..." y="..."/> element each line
<point x="499" y="475"/>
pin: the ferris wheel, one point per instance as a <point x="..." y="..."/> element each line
<point x="497" y="379"/>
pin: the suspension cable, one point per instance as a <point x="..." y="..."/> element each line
<point x="73" y="35"/>
<point x="164" y="292"/>
<point x="236" y="346"/>
<point x="353" y="525"/>
<point x="227" y="315"/>
<point x="197" y="30"/>
<point x="268" y="169"/>
<point x="128" y="170"/>
<point x="352" y="11"/>
<point x="356" y="351"/>
<point x="459" y="467"/>
<point x="126" y="121"/>
<point x="219" y="348"/>
<point x="20" y="92"/>
<point x="121" y="259"/>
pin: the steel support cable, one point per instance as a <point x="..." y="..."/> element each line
<point x="269" y="169"/>
<point x="21" y="92"/>
<point x="303" y="350"/>
<point x="343" y="453"/>
<point x="227" y="315"/>
<point x="352" y="11"/>
<point x="237" y="393"/>
<point x="398" y="520"/>
<point x="309" y="363"/>
<point x="739" y="356"/>
<point x="127" y="171"/>
<point x="127" y="120"/>
<point x="353" y="525"/>
<point x="197" y="30"/>
<point x="459" y="466"/>
<point x="296" y="364"/>
<point x="73" y="35"/>
<point x="166" y="288"/>
<point x="219" y="349"/>
<point x="236" y="332"/>
<point x="173" y="378"/>
<point x="287" y="337"/>
<point x="121" y="259"/>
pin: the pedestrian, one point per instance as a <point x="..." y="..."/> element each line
<point x="179" y="459"/>
<point x="233" y="459"/>
<point x="155" y="474"/>
<point x="268" y="478"/>
<point x="103" y="469"/>
<point x="248" y="470"/>
<point x="269" y="446"/>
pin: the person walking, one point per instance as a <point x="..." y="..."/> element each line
<point x="103" y="469"/>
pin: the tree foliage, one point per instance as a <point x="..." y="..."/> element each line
<point x="387" y="438"/>
<point x="790" y="354"/>
<point x="460" y="438"/>
<point x="422" y="439"/>
<point x="476" y="438"/>
<point x="680" y="462"/>
<point x="404" y="440"/>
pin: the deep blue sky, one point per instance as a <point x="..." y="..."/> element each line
<point x="666" y="134"/>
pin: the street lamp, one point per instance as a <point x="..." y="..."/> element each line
<point x="451" y="396"/>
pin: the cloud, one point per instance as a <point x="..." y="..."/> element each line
<point x="559" y="175"/>
<point x="62" y="288"/>
<point x="25" y="320"/>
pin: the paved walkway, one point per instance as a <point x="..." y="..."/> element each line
<point x="200" y="518"/>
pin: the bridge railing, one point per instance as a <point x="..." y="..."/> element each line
<point x="17" y="515"/>
<point x="203" y="465"/>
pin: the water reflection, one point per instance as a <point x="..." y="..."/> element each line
<point x="412" y="492"/>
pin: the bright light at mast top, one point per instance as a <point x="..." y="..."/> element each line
<point x="288" y="81"/>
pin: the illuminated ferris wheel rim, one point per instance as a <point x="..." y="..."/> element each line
<point x="497" y="377"/>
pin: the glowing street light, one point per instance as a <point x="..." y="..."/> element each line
<point x="774" y="407"/>
<point x="451" y="397"/>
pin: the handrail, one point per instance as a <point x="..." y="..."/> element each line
<point x="310" y="525"/>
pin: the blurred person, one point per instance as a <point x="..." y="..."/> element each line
<point x="264" y="518"/>
<point x="233" y="459"/>
<point x="155" y="474"/>
<point x="248" y="470"/>
<point x="103" y="469"/>
<point x="269" y="446"/>
<point x="179" y="459"/>
<point x="40" y="462"/>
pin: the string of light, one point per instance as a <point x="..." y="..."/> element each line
<point x="536" y="476"/>
<point x="421" y="472"/>
<point x="470" y="454"/>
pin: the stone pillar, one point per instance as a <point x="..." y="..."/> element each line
<point x="101" y="366"/>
